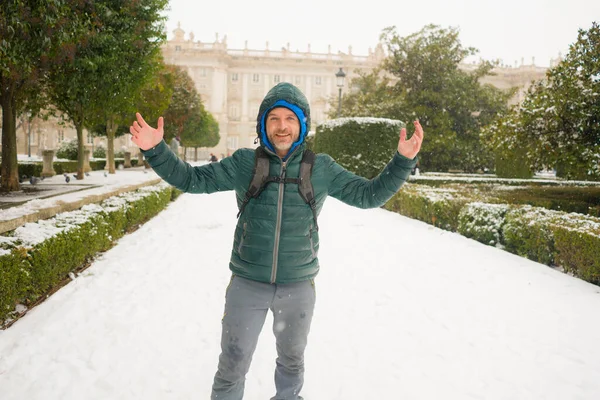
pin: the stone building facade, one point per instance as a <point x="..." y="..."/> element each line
<point x="39" y="135"/>
<point x="232" y="83"/>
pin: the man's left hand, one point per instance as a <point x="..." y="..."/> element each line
<point x="409" y="148"/>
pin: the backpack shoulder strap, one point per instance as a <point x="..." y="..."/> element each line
<point x="305" y="186"/>
<point x="260" y="173"/>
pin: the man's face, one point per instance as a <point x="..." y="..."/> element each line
<point x="283" y="129"/>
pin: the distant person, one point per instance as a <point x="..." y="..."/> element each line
<point x="213" y="158"/>
<point x="274" y="258"/>
<point x="415" y="171"/>
<point x="174" y="145"/>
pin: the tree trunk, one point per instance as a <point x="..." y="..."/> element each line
<point x="80" y="151"/>
<point x="9" y="168"/>
<point x="195" y="154"/>
<point x="111" y="128"/>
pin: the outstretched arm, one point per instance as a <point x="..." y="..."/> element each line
<point x="367" y="193"/>
<point x="201" y="179"/>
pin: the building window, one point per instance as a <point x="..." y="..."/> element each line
<point x="234" y="113"/>
<point x="317" y="80"/>
<point x="202" y="72"/>
<point x="232" y="142"/>
<point x="298" y="80"/>
<point x="90" y="139"/>
<point x="177" y="48"/>
<point x="277" y="78"/>
<point x="61" y="135"/>
<point x="255" y="78"/>
<point x="253" y="112"/>
<point x="234" y="77"/>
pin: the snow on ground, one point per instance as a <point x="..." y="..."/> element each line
<point x="404" y="311"/>
<point x="95" y="183"/>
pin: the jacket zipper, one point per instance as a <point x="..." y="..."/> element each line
<point x="278" y="224"/>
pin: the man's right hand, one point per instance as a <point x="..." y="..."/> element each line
<point x="145" y="136"/>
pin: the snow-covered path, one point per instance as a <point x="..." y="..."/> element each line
<point x="404" y="311"/>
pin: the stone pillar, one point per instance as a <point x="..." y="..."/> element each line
<point x="86" y="161"/>
<point x="48" y="167"/>
<point x="140" y="159"/>
<point x="127" y="162"/>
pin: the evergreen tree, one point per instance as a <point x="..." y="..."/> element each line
<point x="185" y="108"/>
<point x="35" y="35"/>
<point x="558" y="123"/>
<point x="421" y="79"/>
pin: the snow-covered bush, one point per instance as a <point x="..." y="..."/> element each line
<point x="482" y="222"/>
<point x="578" y="251"/>
<point x="361" y="145"/>
<point x="67" y="150"/>
<point x="99" y="152"/>
<point x="437" y="206"/>
<point x="526" y="233"/>
<point x="570" y="241"/>
<point x="37" y="256"/>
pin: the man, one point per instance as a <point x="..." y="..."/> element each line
<point x="276" y="241"/>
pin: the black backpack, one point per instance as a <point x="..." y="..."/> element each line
<point x="261" y="178"/>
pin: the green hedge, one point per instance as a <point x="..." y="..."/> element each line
<point x="29" y="270"/>
<point x="525" y="233"/>
<point x="363" y="146"/>
<point x="578" y="253"/>
<point x="482" y="222"/>
<point x="440" y="208"/>
<point x="569" y="241"/>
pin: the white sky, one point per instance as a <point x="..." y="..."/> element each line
<point x="403" y="308"/>
<point x="508" y="30"/>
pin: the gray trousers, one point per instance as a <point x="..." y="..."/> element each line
<point x="246" y="306"/>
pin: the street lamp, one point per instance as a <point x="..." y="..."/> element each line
<point x="340" y="76"/>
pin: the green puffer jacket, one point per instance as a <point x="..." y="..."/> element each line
<point x="276" y="239"/>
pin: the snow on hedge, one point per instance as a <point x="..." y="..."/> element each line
<point x="333" y="123"/>
<point x="34" y="233"/>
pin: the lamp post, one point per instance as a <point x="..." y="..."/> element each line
<point x="340" y="76"/>
<point x="29" y="142"/>
<point x="29" y="135"/>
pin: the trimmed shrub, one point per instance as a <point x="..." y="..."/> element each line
<point x="526" y="234"/>
<point x="439" y="207"/>
<point x="363" y="146"/>
<point x="482" y="222"/>
<point x="14" y="280"/>
<point x="99" y="152"/>
<point x="30" y="169"/>
<point x="570" y="241"/>
<point x="67" y="150"/>
<point x="578" y="253"/>
<point x="66" y="242"/>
